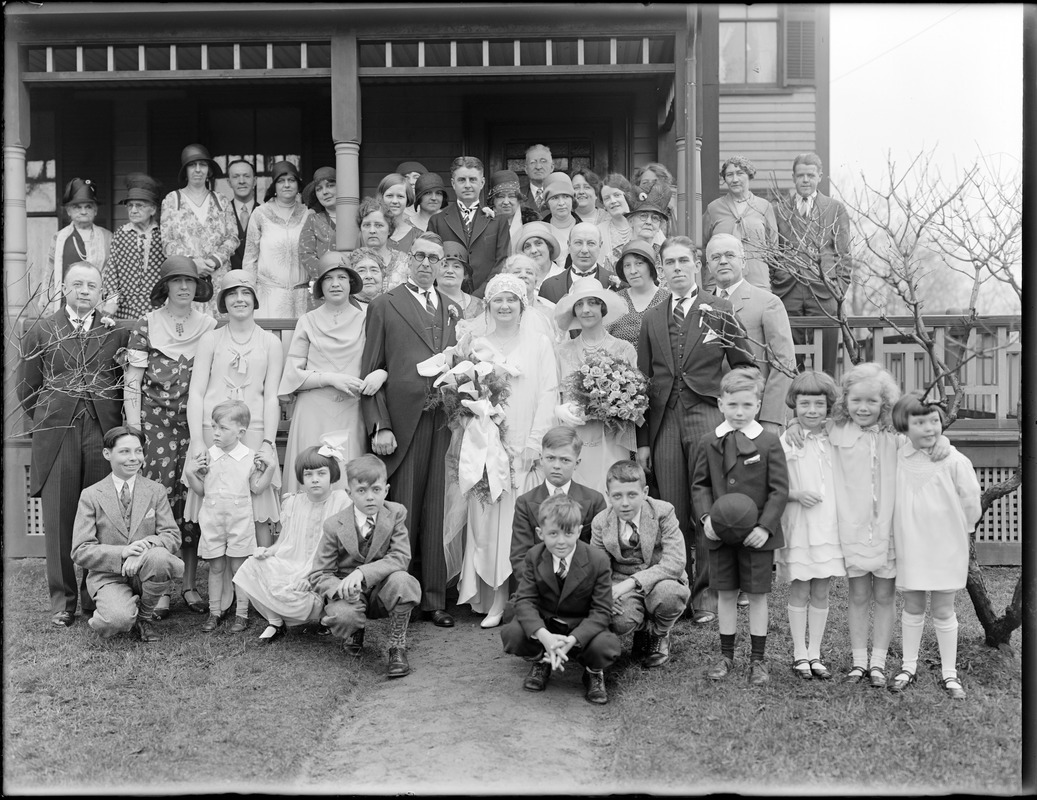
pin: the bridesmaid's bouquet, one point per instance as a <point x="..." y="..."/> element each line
<point x="472" y="385"/>
<point x="610" y="390"/>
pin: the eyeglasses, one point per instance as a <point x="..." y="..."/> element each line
<point x="431" y="257"/>
<point x="138" y="206"/>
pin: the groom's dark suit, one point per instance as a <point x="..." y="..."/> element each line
<point x="489" y="243"/>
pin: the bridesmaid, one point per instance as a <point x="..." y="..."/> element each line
<point x="160" y="357"/>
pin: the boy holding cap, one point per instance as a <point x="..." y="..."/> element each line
<point x="740" y="460"/>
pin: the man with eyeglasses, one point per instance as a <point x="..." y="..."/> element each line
<point x="405" y="326"/>
<point x="486" y="238"/>
<point x="539" y="164"/>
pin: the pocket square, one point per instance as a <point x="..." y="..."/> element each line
<point x="150" y="514"/>
<point x="711" y="335"/>
<point x="755" y="459"/>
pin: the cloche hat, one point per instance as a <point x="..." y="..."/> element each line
<point x="540" y="230"/>
<point x="505" y="180"/>
<point x="232" y="280"/>
<point x="79" y="190"/>
<point x="179" y="267"/>
<point x="141" y="187"/>
<point x="196" y="152"/>
<point x="642" y="249"/>
<point x="558" y="183"/>
<point x="428" y="182"/>
<point x="583" y="288"/>
<point x="334" y="259"/>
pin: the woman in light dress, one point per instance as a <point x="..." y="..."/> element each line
<point x="529" y="408"/>
<point x="397" y="194"/>
<point x="272" y="246"/>
<point x="617" y="196"/>
<point x="586" y="308"/>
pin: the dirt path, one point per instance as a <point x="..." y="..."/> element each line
<point x="461" y="723"/>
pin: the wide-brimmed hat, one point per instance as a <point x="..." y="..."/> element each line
<point x="411" y="166"/>
<point x="333" y="259"/>
<point x="79" y="190"/>
<point x="539" y="230"/>
<point x="196" y="152"/>
<point x="505" y="180"/>
<point x="428" y="182"/>
<point x="583" y="288"/>
<point x="141" y="187"/>
<point x="656" y="199"/>
<point x="640" y="248"/>
<point x="733" y="517"/>
<point x="179" y="267"/>
<point x="232" y="280"/>
<point x="558" y="183"/>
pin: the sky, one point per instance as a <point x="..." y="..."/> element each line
<point x="912" y="77"/>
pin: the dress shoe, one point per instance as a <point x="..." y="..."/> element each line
<point x="758" y="674"/>
<point x="953" y="688"/>
<point x="640" y="643"/>
<point x="901" y="681"/>
<point x="595" y="683"/>
<point x="491" y="620"/>
<point x="63" y="619"/>
<point x="539" y="674"/>
<point x="240" y="625"/>
<point x="398" y="666"/>
<point x="877" y="678"/>
<point x="197" y="606"/>
<point x="703" y="617"/>
<point x="355" y="645"/>
<point x="439" y="618"/>
<point x="144" y="630"/>
<point x="161" y="610"/>
<point x="272" y="632"/>
<point x="323" y="630"/>
<point x="210" y="624"/>
<point x="658" y="651"/>
<point x="722" y="668"/>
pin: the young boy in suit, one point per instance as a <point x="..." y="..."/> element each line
<point x="741" y="457"/>
<point x="125" y="536"/>
<point x="559" y="454"/>
<point x="563" y="603"/>
<point x="360" y="567"/>
<point x="645" y="546"/>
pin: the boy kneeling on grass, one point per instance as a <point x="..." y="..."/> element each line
<point x="360" y="567"/>
<point x="740" y="461"/>
<point x="563" y="603"/>
<point x="125" y="535"/>
<point x="645" y="546"/>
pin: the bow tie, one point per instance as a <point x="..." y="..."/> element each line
<point x="592" y="274"/>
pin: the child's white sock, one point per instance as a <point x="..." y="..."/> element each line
<point x="798" y="631"/>
<point x="860" y="656"/>
<point x="947" y="639"/>
<point x="818" y="618"/>
<point x="911" y="634"/>
<point x="215" y="592"/>
<point x="242" y="606"/>
<point x="878" y="658"/>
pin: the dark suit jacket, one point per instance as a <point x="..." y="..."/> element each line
<point x="338" y="552"/>
<point x="238" y="255"/>
<point x="59" y="373"/>
<point x="524" y="523"/>
<point x="821" y="241"/>
<point x="530" y="201"/>
<point x="100" y="532"/>
<point x="703" y="360"/>
<point x="398" y="337"/>
<point x="557" y="286"/>
<point x="488" y="247"/>
<point x="583" y="601"/>
<point x="760" y="472"/>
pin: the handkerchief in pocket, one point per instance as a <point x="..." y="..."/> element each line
<point x="711" y="335"/>
<point x="150" y="514"/>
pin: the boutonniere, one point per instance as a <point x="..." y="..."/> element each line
<point x="704" y="308"/>
<point x="615" y="283"/>
<point x="488" y="212"/>
<point x="108" y="322"/>
<point x="453" y="313"/>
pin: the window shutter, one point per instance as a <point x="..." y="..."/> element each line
<point x="800" y="48"/>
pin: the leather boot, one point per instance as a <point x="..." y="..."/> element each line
<point x="595" y="683"/>
<point x="398" y="666"/>
<point x="143" y="629"/>
<point x="658" y="651"/>
<point x="355" y="645"/>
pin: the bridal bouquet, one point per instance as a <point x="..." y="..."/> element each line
<point x="472" y="385"/>
<point x="610" y="390"/>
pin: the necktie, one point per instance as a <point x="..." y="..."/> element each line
<point x="125" y="498"/>
<point x="429" y="307"/>
<point x="243" y="216"/>
<point x="469" y="216"/>
<point x="635" y="538"/>
<point x="539" y="197"/>
<point x="730" y="451"/>
<point x="678" y="312"/>
<point x="365" y="534"/>
<point x="724" y="294"/>
<point x="562" y="569"/>
<point x="804" y="206"/>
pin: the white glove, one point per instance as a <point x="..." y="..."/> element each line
<point x="569" y="414"/>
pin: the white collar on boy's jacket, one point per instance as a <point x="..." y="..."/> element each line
<point x="752" y="430"/>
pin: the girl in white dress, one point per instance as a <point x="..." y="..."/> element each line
<point x="812" y="555"/>
<point x="274" y="578"/>
<point x="937" y="506"/>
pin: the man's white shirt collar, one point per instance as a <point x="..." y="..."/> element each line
<point x="552" y="490"/>
<point x="119" y="482"/>
<point x="752" y="430"/>
<point x="88" y="320"/>
<point x="731" y="289"/>
<point x="568" y="561"/>
<point x="239" y="452"/>
<point x="361" y="520"/>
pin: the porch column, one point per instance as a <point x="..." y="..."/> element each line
<point x="345" y="130"/>
<point x="16" y="141"/>
<point x="682" y="188"/>
<point x="686" y="119"/>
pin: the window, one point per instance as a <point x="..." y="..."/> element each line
<point x="568" y="155"/>
<point x="261" y="135"/>
<point x="766" y="45"/>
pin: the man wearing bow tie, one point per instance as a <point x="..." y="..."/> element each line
<point x="814" y="241"/>
<point x="584" y="249"/>
<point x="487" y="239"/>
<point x="70" y="385"/>
<point x="682" y="349"/>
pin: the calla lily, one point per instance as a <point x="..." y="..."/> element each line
<point x="433" y="366"/>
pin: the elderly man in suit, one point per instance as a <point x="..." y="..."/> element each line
<point x="813" y="270"/>
<point x="539" y="164"/>
<point x="682" y="350"/>
<point x="765" y="321"/>
<point x="125" y="535"/>
<point x="584" y="250"/>
<point x="70" y="385"/>
<point x="406" y="325"/>
<point x="488" y="241"/>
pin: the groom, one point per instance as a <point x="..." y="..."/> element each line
<point x="405" y="326"/>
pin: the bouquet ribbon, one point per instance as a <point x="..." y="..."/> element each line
<point x="482" y="449"/>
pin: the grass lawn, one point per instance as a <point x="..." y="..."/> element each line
<point x="679" y="729"/>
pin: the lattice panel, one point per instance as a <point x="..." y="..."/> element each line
<point x="33" y="510"/>
<point x="1003" y="521"/>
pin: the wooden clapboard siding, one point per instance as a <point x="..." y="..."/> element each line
<point x="645" y="129"/>
<point x="770" y="130"/>
<point x="129" y="146"/>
